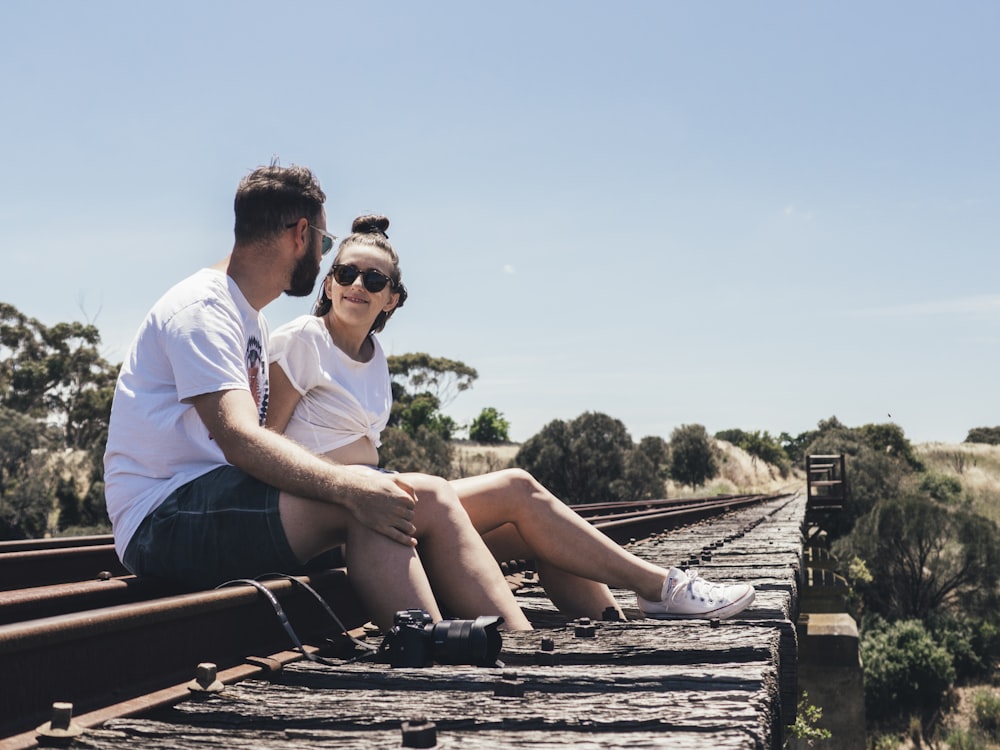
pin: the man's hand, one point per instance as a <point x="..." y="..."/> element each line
<point x="385" y="503"/>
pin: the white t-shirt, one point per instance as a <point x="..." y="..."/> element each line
<point x="202" y="336"/>
<point x="342" y="399"/>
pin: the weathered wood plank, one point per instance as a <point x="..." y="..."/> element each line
<point x="154" y="735"/>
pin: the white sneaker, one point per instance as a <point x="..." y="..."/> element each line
<point x="689" y="595"/>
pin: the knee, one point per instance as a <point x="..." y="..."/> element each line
<point x="436" y="495"/>
<point x="525" y="488"/>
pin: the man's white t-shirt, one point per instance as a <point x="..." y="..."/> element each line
<point x="201" y="337"/>
<point x="342" y="399"/>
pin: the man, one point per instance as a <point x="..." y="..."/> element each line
<point x="198" y="490"/>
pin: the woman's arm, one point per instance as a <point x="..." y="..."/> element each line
<point x="282" y="399"/>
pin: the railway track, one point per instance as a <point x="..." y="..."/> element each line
<point x="76" y="628"/>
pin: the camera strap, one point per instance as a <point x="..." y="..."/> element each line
<point x="283" y="618"/>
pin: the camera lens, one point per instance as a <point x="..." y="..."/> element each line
<point x="467" y="641"/>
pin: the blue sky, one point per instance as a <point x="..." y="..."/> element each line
<point x="752" y="215"/>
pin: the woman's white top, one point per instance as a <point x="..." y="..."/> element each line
<point x="342" y="399"/>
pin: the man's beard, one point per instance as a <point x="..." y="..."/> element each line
<point x="305" y="272"/>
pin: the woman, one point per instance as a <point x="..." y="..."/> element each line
<point x="330" y="390"/>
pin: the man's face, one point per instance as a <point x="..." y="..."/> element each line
<point x="307" y="268"/>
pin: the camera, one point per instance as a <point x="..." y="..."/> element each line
<point x="416" y="641"/>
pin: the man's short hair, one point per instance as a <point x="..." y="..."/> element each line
<point x="270" y="198"/>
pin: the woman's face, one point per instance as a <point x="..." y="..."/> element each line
<point x="354" y="304"/>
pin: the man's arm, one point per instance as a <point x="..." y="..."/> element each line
<point x="374" y="499"/>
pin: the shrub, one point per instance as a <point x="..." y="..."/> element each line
<point x="986" y="705"/>
<point x="906" y="671"/>
<point x="941" y="487"/>
<point x="974" y="644"/>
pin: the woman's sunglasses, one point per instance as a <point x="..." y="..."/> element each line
<point x="345" y="274"/>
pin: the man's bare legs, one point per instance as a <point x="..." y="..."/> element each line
<point x="519" y="518"/>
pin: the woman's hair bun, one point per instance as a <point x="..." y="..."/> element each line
<point x="370" y="224"/>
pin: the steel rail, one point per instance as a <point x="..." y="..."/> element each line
<point x="622" y="529"/>
<point x="45" y="562"/>
<point x="103" y="656"/>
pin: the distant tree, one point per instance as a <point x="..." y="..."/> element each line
<point x="413" y="413"/>
<point x="27" y="478"/>
<point x="592" y="459"/>
<point x="443" y="378"/>
<point x="489" y="427"/>
<point x="547" y="455"/>
<point x="55" y="394"/>
<point x="988" y="435"/>
<point x="656" y="450"/>
<point x="70" y="506"/>
<point x="928" y="558"/>
<point x="421" y="386"/>
<point x="889" y="438"/>
<point x="643" y="477"/>
<point x="425" y="452"/>
<point x="56" y="374"/>
<point x="692" y="457"/>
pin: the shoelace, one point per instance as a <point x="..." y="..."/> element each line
<point x="707" y="590"/>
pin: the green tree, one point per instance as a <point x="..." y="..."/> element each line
<point x="926" y="558"/>
<point x="692" y="456"/>
<point x="988" y="435"/>
<point x="412" y="414"/>
<point x="27" y="478"/>
<point x="490" y="427"/>
<point x="889" y="438"/>
<point x="421" y="385"/>
<point x="425" y="452"/>
<point x="591" y="459"/>
<point x="56" y="374"/>
<point x="547" y="456"/>
<point x="55" y="394"/>
<point x="441" y="377"/>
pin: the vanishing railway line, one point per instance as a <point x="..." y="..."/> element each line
<point x="76" y="628"/>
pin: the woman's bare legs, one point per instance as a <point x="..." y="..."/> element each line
<point x="573" y="596"/>
<point x="571" y="553"/>
<point x="391" y="576"/>
<point x="459" y="565"/>
<point x="388" y="576"/>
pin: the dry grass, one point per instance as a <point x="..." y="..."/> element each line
<point x="473" y="459"/>
<point x="975" y="465"/>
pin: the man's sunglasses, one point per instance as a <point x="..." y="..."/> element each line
<point x="345" y="274"/>
<point x="328" y="239"/>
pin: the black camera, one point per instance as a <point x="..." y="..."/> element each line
<point x="416" y="641"/>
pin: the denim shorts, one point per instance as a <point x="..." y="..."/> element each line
<point x="220" y="526"/>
